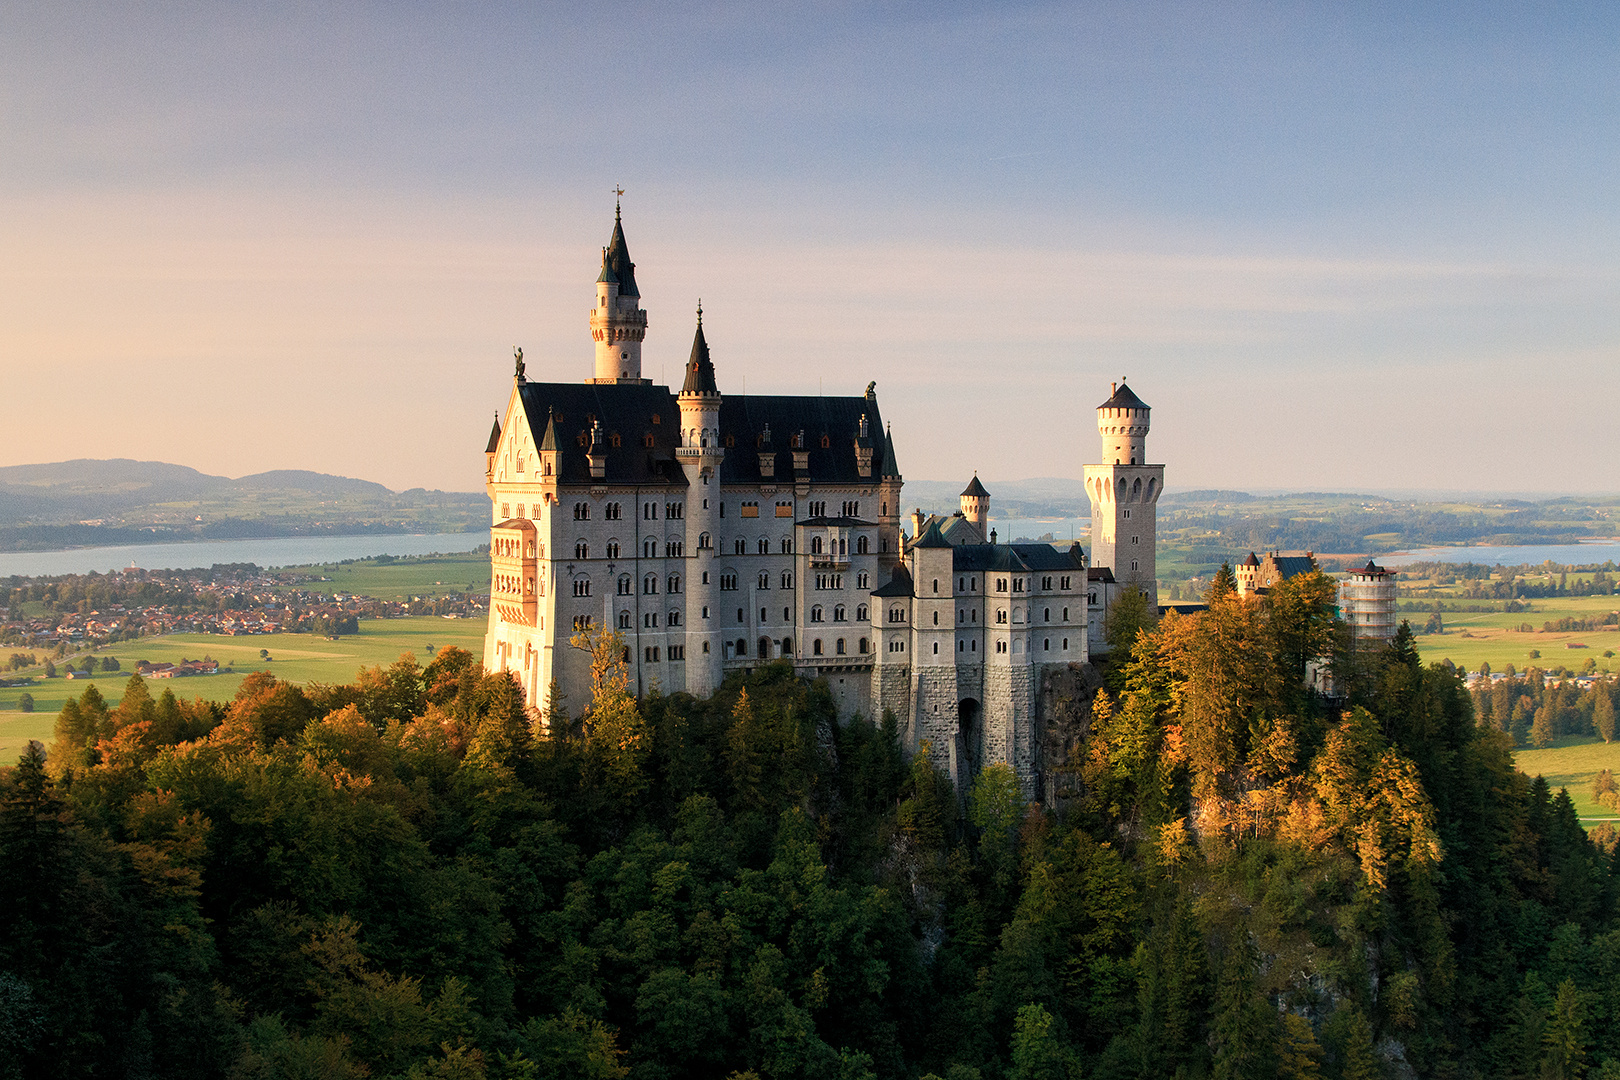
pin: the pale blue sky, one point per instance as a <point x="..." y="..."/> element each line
<point x="1335" y="246"/>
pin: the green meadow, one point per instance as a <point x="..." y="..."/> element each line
<point x="293" y="657"/>
<point x="401" y="579"/>
<point x="1571" y="762"/>
<point x="1495" y="636"/>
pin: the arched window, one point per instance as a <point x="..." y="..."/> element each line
<point x="624" y="585"/>
<point x="861" y="613"/>
<point x="649" y="584"/>
<point x="649" y="549"/>
<point x="936" y="618"/>
<point x="815" y="613"/>
<point x="739" y="546"/>
<point x="703" y="541"/>
<point x="582" y="550"/>
<point x="815" y="647"/>
<point x="861" y="545"/>
<point x="838" y="646"/>
<point x="787" y="646"/>
<point x="764" y="579"/>
<point x="742" y="647"/>
<point x="787" y="579"/>
<point x="764" y="546"/>
<point x="815" y="545"/>
<point x="613" y="549"/>
<point x="1047" y="614"/>
<point x="624" y="620"/>
<point x="787" y="545"/>
<point x="860" y="646"/>
<point x="764" y="648"/>
<point x="674" y="583"/>
<point x="582" y="587"/>
<point x="839" y="614"/>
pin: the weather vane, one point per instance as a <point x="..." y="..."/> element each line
<point x="700" y="311"/>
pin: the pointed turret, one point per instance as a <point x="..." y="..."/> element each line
<point x="976" y="505"/>
<point x="494" y="445"/>
<point x="618" y="325"/>
<point x="699" y="368"/>
<point x="890" y="466"/>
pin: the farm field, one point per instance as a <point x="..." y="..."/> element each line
<point x="293" y="657"/>
<point x="1571" y="762"/>
<point x="401" y="579"/>
<point x="1494" y="636"/>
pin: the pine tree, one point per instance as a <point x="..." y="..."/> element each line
<point x="1603" y="714"/>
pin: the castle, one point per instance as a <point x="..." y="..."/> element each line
<point x="719" y="531"/>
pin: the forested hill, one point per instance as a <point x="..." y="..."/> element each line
<point x="410" y="877"/>
<point x="87" y="502"/>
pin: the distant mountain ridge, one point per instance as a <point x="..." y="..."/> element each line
<point x="87" y="502"/>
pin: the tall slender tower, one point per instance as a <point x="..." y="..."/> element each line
<point x="1124" y="493"/>
<point x="617" y="322"/>
<point x="976" y="507"/>
<point x="700" y="454"/>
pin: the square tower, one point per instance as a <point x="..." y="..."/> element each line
<point x="1124" y="492"/>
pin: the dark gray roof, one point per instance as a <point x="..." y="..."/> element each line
<point x="628" y="410"/>
<point x="1123" y="399"/>
<point x="889" y="467"/>
<point x="607" y="271"/>
<point x="1017" y="558"/>
<point x="1251" y="560"/>
<point x="494" y="436"/>
<point x="975" y="489"/>
<point x="618" y="260"/>
<point x="898" y="585"/>
<point x="699" y="368"/>
<point x="837" y="420"/>
<point x="1290" y="565"/>
<point x="1100" y="573"/>
<point x="931" y="537"/>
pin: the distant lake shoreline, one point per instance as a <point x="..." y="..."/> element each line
<point x="1579" y="553"/>
<point x="266" y="552"/>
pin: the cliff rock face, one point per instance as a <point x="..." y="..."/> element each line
<point x="1064" y="716"/>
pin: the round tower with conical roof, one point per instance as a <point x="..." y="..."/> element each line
<point x="1124" y="492"/>
<point x="618" y="325"/>
<point x="976" y="506"/>
<point x="700" y="454"/>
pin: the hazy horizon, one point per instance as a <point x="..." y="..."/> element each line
<point x="1354" y="250"/>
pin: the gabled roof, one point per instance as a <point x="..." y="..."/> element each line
<point x="699" y="368"/>
<point x="932" y="537"/>
<point x="1290" y="565"/>
<point x="898" y="585"/>
<point x="1100" y="573"/>
<point x="975" y="490"/>
<point x="618" y="260"/>
<point x="494" y="436"/>
<point x="1123" y="399"/>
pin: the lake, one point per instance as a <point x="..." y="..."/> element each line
<point x="1485" y="555"/>
<point x="272" y="551"/>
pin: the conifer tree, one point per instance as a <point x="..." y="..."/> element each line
<point x="1603" y="713"/>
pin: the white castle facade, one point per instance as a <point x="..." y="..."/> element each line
<point x="717" y="532"/>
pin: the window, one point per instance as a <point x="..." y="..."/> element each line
<point x="839" y="614"/>
<point x="739" y="546"/>
<point x="838" y="647"/>
<point x="1001" y="616"/>
<point x="1046" y="615"/>
<point x="1001" y="584"/>
<point x="1134" y="539"/>
<point x="705" y="649"/>
<point x="1046" y="584"/>
<point x="1046" y="644"/>
<point x="677" y="652"/>
<point x="815" y="545"/>
<point x="705" y="577"/>
<point x="674" y="549"/>
<point x="1127" y="514"/>
<point x="674" y="619"/>
<point x="652" y="654"/>
<point x="675" y="510"/>
<point x="506" y="510"/>
<point x="750" y="509"/>
<point x="728" y="582"/>
<point x="1063" y="584"/>
<point x="936" y="618"/>
<point x="1065" y="614"/>
<point x="520" y="510"/>
<point x="862" y="545"/>
<point x="739" y="615"/>
<point x="815" y="613"/>
<point x="582" y="622"/>
<point x="1092" y="598"/>
<point x="613" y="549"/>
<point x="1065" y="644"/>
<point x="624" y="620"/>
<point x="897" y="646"/>
<point x="936" y="586"/>
<point x="936" y="648"/>
<point x="1001" y="646"/>
<point x="649" y="511"/>
<point x="764" y="615"/>
<point x="787" y="579"/>
<point x="860" y="646"/>
<point x="649" y="584"/>
<point x="787" y="614"/>
<point x="1018" y="584"/>
<point x="582" y="587"/>
<point x="863" y="580"/>
<point x="582" y="512"/>
<point x="764" y="546"/>
<point x="613" y="511"/>
<point x="784" y="509"/>
<point x="674" y="583"/>
<point x="787" y="646"/>
<point x="649" y="620"/>
<point x="624" y="585"/>
<point x="861" y="613"/>
<point x="703" y="541"/>
<point x="818" y="509"/>
<point x="1134" y="565"/>
<point x="897" y="614"/>
<point x="742" y="647"/>
<point x="582" y="550"/>
<point x="815" y="646"/>
<point x="787" y="545"/>
<point x="649" y="549"/>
